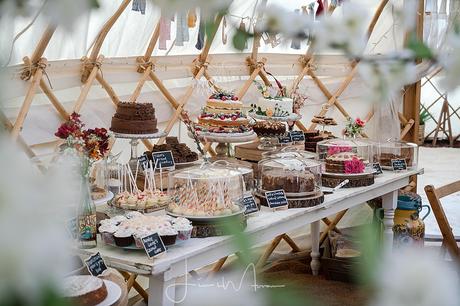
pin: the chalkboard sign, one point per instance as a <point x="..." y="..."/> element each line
<point x="95" y="264"/>
<point x="153" y="245"/>
<point x="398" y="164"/>
<point x="376" y="168"/>
<point x="163" y="159"/>
<point x="284" y="139"/>
<point x="250" y="204"/>
<point x="297" y="135"/>
<point x="276" y="198"/>
<point x="143" y="161"/>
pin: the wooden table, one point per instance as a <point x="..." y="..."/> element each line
<point x="262" y="227"/>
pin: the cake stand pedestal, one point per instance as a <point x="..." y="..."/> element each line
<point x="269" y="142"/>
<point x="223" y="140"/>
<point x="134" y="142"/>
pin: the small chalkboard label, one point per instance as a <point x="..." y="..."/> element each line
<point x="284" y="139"/>
<point x="376" y="168"/>
<point x="143" y="161"/>
<point x="297" y="135"/>
<point x="153" y="245"/>
<point x="163" y="159"/>
<point x="250" y="204"/>
<point x="276" y="198"/>
<point x="95" y="264"/>
<point x="398" y="164"/>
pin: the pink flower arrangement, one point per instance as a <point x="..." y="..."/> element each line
<point x="355" y="165"/>
<point x="360" y="122"/>
<point x="338" y="149"/>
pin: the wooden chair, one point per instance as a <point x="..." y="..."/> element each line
<point x="434" y="195"/>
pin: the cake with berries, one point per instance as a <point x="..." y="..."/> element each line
<point x="345" y="162"/>
<point x="223" y="114"/>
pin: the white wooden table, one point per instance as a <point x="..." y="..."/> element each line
<point x="262" y="227"/>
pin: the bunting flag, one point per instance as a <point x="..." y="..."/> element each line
<point x="139" y="6"/>
<point x="320" y="9"/>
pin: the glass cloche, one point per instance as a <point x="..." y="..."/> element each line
<point x="245" y="168"/>
<point x="385" y="152"/>
<point x="208" y="190"/>
<point x="291" y="172"/>
<point x="286" y="151"/>
<point x="345" y="156"/>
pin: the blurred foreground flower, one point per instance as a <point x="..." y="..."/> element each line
<point x="416" y="277"/>
<point x="33" y="213"/>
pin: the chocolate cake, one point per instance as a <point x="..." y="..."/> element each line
<point x="294" y="181"/>
<point x="181" y="152"/>
<point x="384" y="159"/>
<point x="134" y="118"/>
<point x="337" y="163"/>
<point x="313" y="137"/>
<point x="269" y="128"/>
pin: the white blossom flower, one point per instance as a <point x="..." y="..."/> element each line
<point x="207" y="7"/>
<point x="277" y="19"/>
<point x="66" y="12"/>
<point x="346" y="32"/>
<point x="405" y="13"/>
<point x="34" y="242"/>
<point x="385" y="78"/>
<point x="414" y="277"/>
<point x="450" y="61"/>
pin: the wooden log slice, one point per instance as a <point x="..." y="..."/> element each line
<point x="354" y="181"/>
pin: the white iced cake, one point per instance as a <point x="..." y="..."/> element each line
<point x="281" y="107"/>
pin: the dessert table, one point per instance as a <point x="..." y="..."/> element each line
<point x="262" y="227"/>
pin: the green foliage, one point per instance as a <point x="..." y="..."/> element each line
<point x="424" y="117"/>
<point x="240" y="38"/>
<point x="421" y="51"/>
<point x="49" y="297"/>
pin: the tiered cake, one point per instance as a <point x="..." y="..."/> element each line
<point x="134" y="118"/>
<point x="223" y="114"/>
<point x="274" y="102"/>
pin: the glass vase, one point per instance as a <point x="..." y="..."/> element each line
<point x="86" y="217"/>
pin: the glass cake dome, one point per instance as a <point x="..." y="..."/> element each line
<point x="289" y="151"/>
<point x="345" y="156"/>
<point x="392" y="149"/>
<point x="208" y="190"/>
<point x="292" y="172"/>
<point x="244" y="168"/>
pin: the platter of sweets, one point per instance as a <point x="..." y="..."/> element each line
<point x="126" y="231"/>
<point x="129" y="197"/>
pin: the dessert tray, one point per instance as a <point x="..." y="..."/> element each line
<point x="109" y="196"/>
<point x="158" y="134"/>
<point x="228" y="137"/>
<point x="205" y="218"/>
<point x="113" y="293"/>
<point x="291" y="117"/>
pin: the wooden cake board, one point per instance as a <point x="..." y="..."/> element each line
<point x="330" y="180"/>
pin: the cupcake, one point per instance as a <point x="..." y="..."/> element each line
<point x="134" y="214"/>
<point x="168" y="235"/>
<point x="183" y="227"/>
<point x="107" y="231"/>
<point x="123" y="237"/>
<point x="138" y="235"/>
<point x="118" y="219"/>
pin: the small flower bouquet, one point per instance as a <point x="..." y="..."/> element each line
<point x="91" y="144"/>
<point x="354" y="127"/>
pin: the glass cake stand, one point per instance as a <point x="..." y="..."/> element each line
<point x="269" y="142"/>
<point x="134" y="142"/>
<point x="224" y="139"/>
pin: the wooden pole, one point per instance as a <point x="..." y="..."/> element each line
<point x="87" y="86"/>
<point x="37" y="76"/>
<point x="140" y="84"/>
<point x="9" y="126"/>
<point x="151" y="46"/>
<point x="376" y="17"/>
<point x="263" y="259"/>
<point x="179" y="109"/>
<point x="54" y="100"/>
<point x="248" y="82"/>
<point x="100" y="39"/>
<point x="113" y="96"/>
<point x="164" y="90"/>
